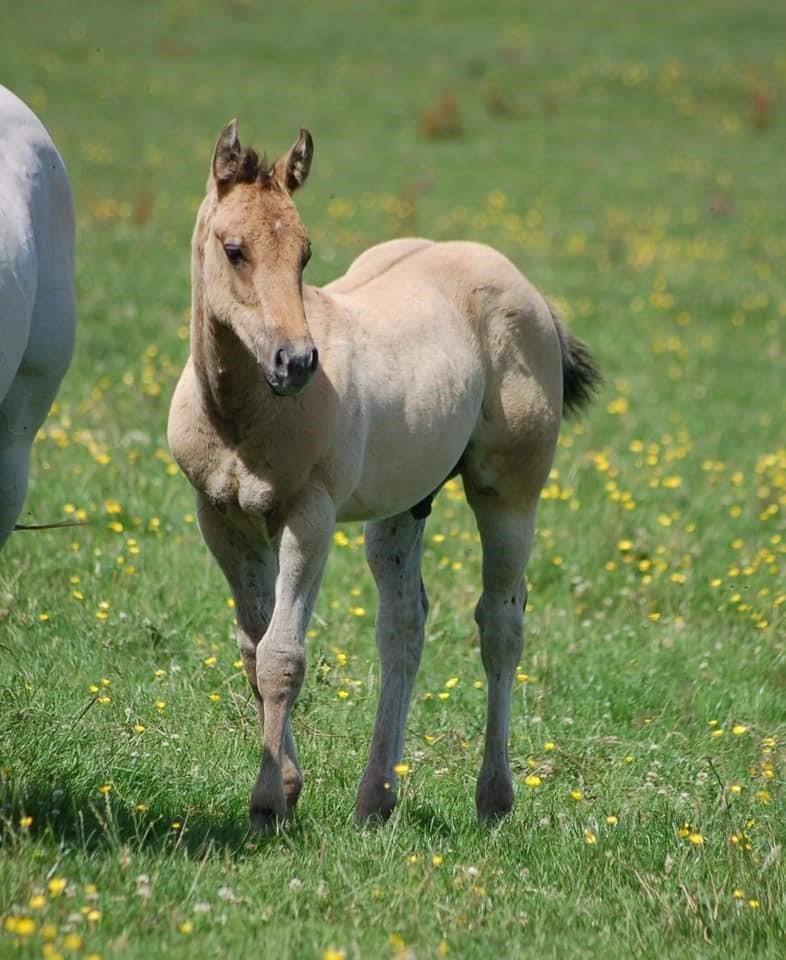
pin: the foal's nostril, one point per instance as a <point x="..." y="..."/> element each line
<point x="292" y="369"/>
<point x="281" y="361"/>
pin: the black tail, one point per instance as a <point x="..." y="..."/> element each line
<point x="581" y="377"/>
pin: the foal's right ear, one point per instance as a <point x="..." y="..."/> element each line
<point x="226" y="156"/>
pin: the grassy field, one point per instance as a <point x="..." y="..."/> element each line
<point x="629" y="158"/>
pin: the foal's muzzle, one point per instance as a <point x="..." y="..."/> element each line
<point x="292" y="369"/>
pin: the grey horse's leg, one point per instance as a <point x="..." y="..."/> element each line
<point x="38" y="319"/>
<point x="22" y="412"/>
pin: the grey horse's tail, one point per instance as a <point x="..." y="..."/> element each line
<point x="581" y="376"/>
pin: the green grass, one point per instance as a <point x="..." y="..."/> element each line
<point x="629" y="159"/>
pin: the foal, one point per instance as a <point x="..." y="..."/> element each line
<point x="37" y="316"/>
<point x="301" y="407"/>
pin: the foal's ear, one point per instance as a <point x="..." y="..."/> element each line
<point x="292" y="169"/>
<point x="226" y="156"/>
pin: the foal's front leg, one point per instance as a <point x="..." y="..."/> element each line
<point x="393" y="551"/>
<point x="250" y="566"/>
<point x="280" y="656"/>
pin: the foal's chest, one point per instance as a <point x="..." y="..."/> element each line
<point x="231" y="486"/>
<point x="215" y="468"/>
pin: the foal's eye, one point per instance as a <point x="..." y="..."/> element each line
<point x="234" y="253"/>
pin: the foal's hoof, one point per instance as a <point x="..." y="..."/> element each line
<point x="375" y="804"/>
<point x="493" y="798"/>
<point x="267" y="820"/>
<point x="269" y="810"/>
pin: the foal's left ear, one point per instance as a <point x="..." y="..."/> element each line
<point x="292" y="169"/>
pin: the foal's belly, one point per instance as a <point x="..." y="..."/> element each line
<point x="414" y="445"/>
<point x="400" y="484"/>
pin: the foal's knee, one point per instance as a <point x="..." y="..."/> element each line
<point x="499" y="609"/>
<point x="280" y="674"/>
<point x="500" y="618"/>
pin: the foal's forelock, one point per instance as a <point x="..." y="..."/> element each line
<point x="250" y="168"/>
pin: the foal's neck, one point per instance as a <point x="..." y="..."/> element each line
<point x="232" y="389"/>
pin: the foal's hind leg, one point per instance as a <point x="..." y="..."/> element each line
<point x="393" y="551"/>
<point x="506" y="535"/>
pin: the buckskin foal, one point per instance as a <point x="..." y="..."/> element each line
<point x="301" y="407"/>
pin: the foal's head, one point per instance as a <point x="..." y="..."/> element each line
<point x="254" y="248"/>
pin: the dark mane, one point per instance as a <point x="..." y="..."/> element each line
<point x="251" y="167"/>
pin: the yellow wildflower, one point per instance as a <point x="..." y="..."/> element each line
<point x="57" y="885"/>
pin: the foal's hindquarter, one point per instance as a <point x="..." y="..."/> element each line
<point x="36" y="292"/>
<point x="493" y="335"/>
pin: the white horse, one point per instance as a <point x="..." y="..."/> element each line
<point x="301" y="407"/>
<point x="37" y="317"/>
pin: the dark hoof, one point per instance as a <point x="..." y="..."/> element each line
<point x="268" y="810"/>
<point x="375" y="804"/>
<point x="266" y="820"/>
<point x="493" y="815"/>
<point x="493" y="799"/>
<point x="370" y="820"/>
